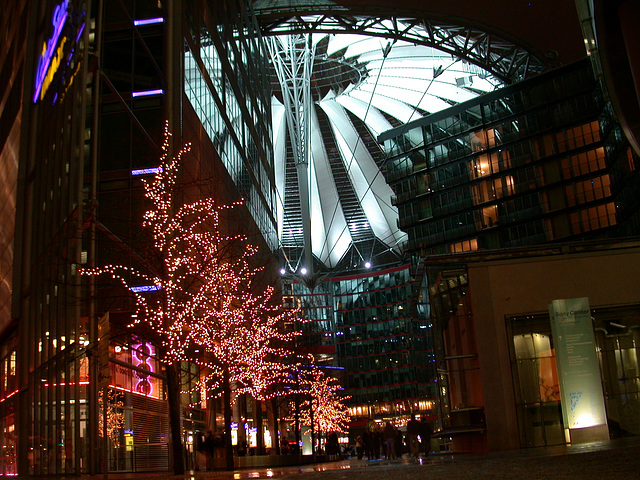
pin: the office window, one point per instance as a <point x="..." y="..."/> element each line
<point x="588" y="190"/>
<point x="470" y="245"/>
<point x="489" y="216"/>
<point x="593" y="218"/>
<point x="480" y="166"/>
<point x="579" y="136"/>
<point x="583" y="163"/>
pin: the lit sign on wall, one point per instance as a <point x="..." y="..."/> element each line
<point x="148" y="21"/>
<point x="142" y="353"/>
<point x="140" y="381"/>
<point x="60" y="58"/>
<point x="147" y="93"/>
<point x="577" y="360"/>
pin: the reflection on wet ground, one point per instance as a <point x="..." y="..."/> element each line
<point x="616" y="459"/>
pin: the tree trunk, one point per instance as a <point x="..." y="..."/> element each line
<point x="313" y="433"/>
<point x="173" y="396"/>
<point x="226" y="398"/>
<point x="275" y="438"/>
<point x="257" y="408"/>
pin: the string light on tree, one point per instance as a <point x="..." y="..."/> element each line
<point x="322" y="408"/>
<point x="208" y="296"/>
<point x="115" y="415"/>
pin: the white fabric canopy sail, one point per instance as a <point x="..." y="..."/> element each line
<point x="399" y="82"/>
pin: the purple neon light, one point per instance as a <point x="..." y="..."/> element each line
<point x="148" y="21"/>
<point x="79" y="33"/>
<point x="146" y="93"/>
<point x="58" y="21"/>
<point x="146" y="288"/>
<point x="145" y="171"/>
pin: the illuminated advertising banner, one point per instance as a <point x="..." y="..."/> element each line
<point x="577" y="361"/>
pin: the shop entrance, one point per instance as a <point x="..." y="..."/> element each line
<point x="536" y="382"/>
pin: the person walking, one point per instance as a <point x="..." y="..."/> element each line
<point x="413" y="431"/>
<point x="359" y="447"/>
<point x="208" y="449"/>
<point x="425" y="436"/>
<point x="201" y="453"/>
<point x="367" y="439"/>
<point x="390" y="435"/>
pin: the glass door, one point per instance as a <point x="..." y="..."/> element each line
<point x="536" y="382"/>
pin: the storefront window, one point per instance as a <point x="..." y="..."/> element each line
<point x="618" y="340"/>
<point x="537" y="384"/>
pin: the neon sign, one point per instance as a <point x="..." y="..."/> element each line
<point x="142" y="353"/>
<point x="145" y="171"/>
<point x="146" y="288"/>
<point x="146" y="93"/>
<point x="60" y="59"/>
<point x="148" y="21"/>
<point x="44" y="63"/>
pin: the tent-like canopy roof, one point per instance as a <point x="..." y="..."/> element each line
<point x="373" y="66"/>
<point x="361" y="86"/>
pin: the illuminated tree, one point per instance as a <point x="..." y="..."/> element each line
<point x="322" y="409"/>
<point x="208" y="297"/>
<point x="115" y="417"/>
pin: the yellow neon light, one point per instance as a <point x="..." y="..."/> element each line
<point x="53" y="68"/>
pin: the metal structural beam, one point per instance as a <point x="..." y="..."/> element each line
<point x="503" y="59"/>
<point x="292" y="57"/>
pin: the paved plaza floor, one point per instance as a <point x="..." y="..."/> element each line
<point x="616" y="459"/>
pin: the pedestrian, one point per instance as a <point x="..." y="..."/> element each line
<point x="201" y="454"/>
<point x="284" y="445"/>
<point x="218" y="445"/>
<point x="377" y="441"/>
<point x="425" y="435"/>
<point x="332" y="444"/>
<point x="208" y="448"/>
<point x="413" y="431"/>
<point x="390" y="435"/>
<point x="359" y="447"/>
<point x="367" y="442"/>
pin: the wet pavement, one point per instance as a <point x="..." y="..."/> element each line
<point x="615" y="459"/>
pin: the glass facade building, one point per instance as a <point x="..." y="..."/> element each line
<point x="12" y="66"/>
<point x="375" y="328"/>
<point x="531" y="163"/>
<point x="51" y="362"/>
<point x="227" y="82"/>
<point x="539" y="162"/>
<point x="90" y="87"/>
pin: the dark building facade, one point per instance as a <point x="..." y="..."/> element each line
<point x="12" y="66"/>
<point x="89" y="88"/>
<point x="539" y="161"/>
<point x="498" y="354"/>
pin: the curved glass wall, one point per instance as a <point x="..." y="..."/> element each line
<point x="376" y="327"/>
